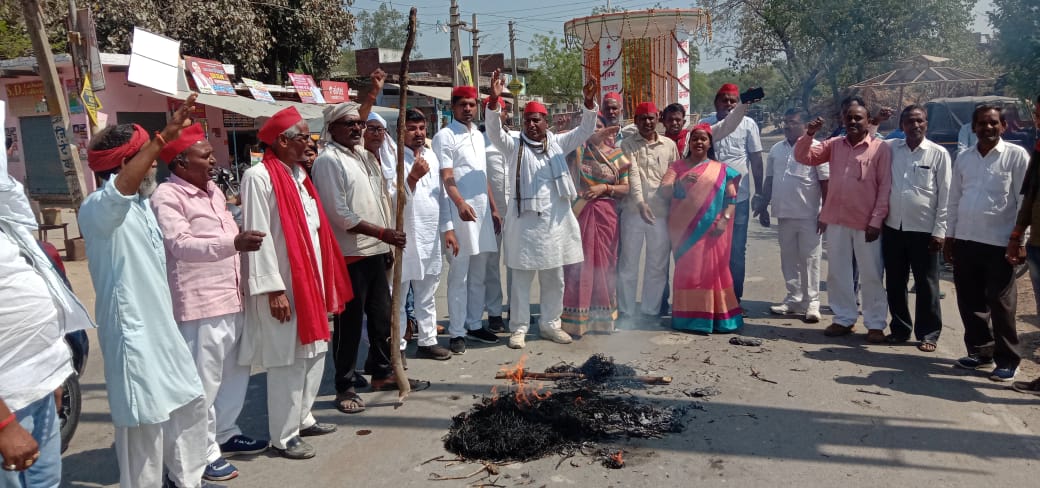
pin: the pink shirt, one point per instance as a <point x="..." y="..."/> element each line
<point x="202" y="264"/>
<point x="860" y="179"/>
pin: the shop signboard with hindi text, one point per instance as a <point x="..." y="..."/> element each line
<point x="258" y="90"/>
<point x="209" y="76"/>
<point x="335" y="91"/>
<point x="682" y="73"/>
<point x="306" y="88"/>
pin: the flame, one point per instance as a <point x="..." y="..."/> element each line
<point x="526" y="395"/>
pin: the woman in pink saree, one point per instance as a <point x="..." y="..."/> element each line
<point x="700" y="224"/>
<point x="601" y="178"/>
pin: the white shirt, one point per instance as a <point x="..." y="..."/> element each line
<point x="796" y="189"/>
<point x="984" y="194"/>
<point x="496" y="171"/>
<point x="426" y="216"/>
<point x="920" y="187"/>
<point x="966" y="138"/>
<point x="352" y="189"/>
<point x="461" y="149"/>
<point x="734" y="149"/>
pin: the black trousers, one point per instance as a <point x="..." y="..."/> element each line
<point x="986" y="293"/>
<point x="905" y="252"/>
<point x="371" y="298"/>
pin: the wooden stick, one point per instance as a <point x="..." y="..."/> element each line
<point x="650" y="380"/>
<point x="398" y="294"/>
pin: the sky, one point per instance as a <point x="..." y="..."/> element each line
<point x="532" y="17"/>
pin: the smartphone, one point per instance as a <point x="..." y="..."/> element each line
<point x="752" y="94"/>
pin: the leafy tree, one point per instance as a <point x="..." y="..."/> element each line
<point x="1017" y="43"/>
<point x="14" y="39"/>
<point x="838" y="42"/>
<point x="558" y="74"/>
<point x="384" y="27"/>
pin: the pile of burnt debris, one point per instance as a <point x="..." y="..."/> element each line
<point x="590" y="405"/>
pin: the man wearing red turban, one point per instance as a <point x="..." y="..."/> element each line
<point x="202" y="244"/>
<point x="154" y="393"/>
<point x="742" y="151"/>
<point x="460" y="149"/>
<point x="294" y="279"/>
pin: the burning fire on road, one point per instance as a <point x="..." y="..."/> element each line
<point x="525" y="421"/>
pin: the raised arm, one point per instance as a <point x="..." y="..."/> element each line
<point x="378" y="77"/>
<point x="805" y="152"/>
<point x="493" y="122"/>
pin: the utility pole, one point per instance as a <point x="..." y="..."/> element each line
<point x="475" y="64"/>
<point x="512" y="55"/>
<point x="456" y="52"/>
<point x="55" y="98"/>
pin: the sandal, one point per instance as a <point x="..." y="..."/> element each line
<point x="349" y="402"/>
<point x="390" y="384"/>
<point x="926" y="347"/>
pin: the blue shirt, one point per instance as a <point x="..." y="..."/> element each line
<point x="149" y="371"/>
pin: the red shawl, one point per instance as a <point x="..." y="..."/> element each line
<point x="312" y="323"/>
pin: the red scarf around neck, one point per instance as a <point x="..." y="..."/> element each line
<point x="310" y="306"/>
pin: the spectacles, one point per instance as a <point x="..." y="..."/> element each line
<point x="348" y="123"/>
<point x="374" y="129"/>
<point x="300" y="137"/>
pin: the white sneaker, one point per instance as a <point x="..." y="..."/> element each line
<point x="812" y="316"/>
<point x="556" y="335"/>
<point x="782" y="309"/>
<point x="517" y="340"/>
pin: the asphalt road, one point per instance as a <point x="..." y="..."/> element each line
<point x="834" y="412"/>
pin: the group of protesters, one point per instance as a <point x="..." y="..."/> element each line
<point x="188" y="299"/>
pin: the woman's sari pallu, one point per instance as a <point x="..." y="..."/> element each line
<point x="703" y="299"/>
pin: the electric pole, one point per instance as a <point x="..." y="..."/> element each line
<point x="456" y="51"/>
<point x="55" y="98"/>
<point x="475" y="64"/>
<point x="512" y="56"/>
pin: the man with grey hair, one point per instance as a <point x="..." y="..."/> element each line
<point x="294" y="280"/>
<point x="351" y="185"/>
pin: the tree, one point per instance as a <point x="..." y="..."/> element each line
<point x="558" y="75"/>
<point x="837" y="42"/>
<point x="384" y="27"/>
<point x="265" y="41"/>
<point x="1017" y="43"/>
<point x="14" y="39"/>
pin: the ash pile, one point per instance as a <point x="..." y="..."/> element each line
<point x="589" y="405"/>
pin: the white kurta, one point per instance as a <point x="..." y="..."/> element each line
<point x="461" y="149"/>
<point x="426" y="216"/>
<point x="266" y="342"/>
<point x="540" y="240"/>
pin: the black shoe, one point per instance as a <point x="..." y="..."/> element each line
<point x="435" y="351"/>
<point x="360" y="382"/>
<point x="482" y="335"/>
<point x="296" y="448"/>
<point x="496" y="325"/>
<point x="458" y="345"/>
<point x="318" y="429"/>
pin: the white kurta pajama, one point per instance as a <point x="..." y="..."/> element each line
<point x="426" y="217"/>
<point x="546" y="236"/>
<point x="294" y="370"/>
<point x="461" y="149"/>
<point x="496" y="170"/>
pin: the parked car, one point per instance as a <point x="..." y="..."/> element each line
<point x="947" y="115"/>
<point x="79" y="346"/>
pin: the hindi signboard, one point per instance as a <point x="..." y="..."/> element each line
<point x="209" y="76"/>
<point x="335" y="91"/>
<point x="306" y="88"/>
<point x="258" y="90"/>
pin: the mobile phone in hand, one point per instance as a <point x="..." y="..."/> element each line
<point x="753" y="94"/>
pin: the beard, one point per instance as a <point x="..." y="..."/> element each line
<point x="148" y="184"/>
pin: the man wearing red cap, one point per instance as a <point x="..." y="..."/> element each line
<point x="154" y="393"/>
<point x="294" y="279"/>
<point x="742" y="151"/>
<point x="202" y="266"/>
<point x="541" y="232"/>
<point x="644" y="216"/>
<point x="460" y="149"/>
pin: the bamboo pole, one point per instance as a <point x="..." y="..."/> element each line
<point x="398" y="293"/>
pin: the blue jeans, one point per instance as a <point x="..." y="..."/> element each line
<point x="738" y="249"/>
<point x="39" y="418"/>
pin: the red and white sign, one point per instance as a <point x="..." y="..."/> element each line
<point x="209" y="76"/>
<point x="306" y="88"/>
<point x="610" y="66"/>
<point x="682" y="72"/>
<point x="335" y="91"/>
